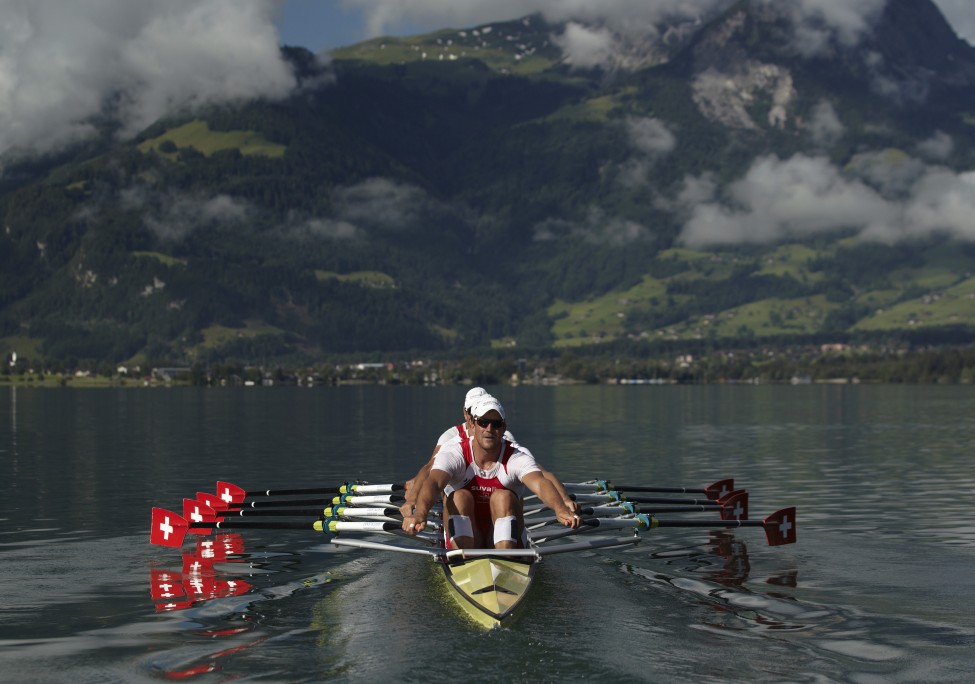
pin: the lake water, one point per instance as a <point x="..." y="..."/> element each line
<point x="879" y="588"/>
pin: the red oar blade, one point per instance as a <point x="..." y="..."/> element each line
<point x="780" y="527"/>
<point x="230" y="493"/>
<point x="213" y="501"/>
<point x="719" y="489"/>
<point x="168" y="528"/>
<point x="735" y="507"/>
<point x="196" y="512"/>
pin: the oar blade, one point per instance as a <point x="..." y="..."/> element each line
<point x="230" y="493"/>
<point x="719" y="489"/>
<point x="780" y="527"/>
<point x="735" y="507"/>
<point x="213" y="501"/>
<point x="168" y="528"/>
<point x="196" y="512"/>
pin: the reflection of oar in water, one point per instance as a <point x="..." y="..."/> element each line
<point x="489" y="583"/>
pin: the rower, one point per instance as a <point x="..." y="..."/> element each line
<point x="463" y="431"/>
<point x="484" y="478"/>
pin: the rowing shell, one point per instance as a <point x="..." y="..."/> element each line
<point x="489" y="589"/>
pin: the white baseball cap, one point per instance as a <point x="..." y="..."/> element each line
<point x="485" y="405"/>
<point x="473" y="395"/>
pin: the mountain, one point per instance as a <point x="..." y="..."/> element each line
<point x="761" y="175"/>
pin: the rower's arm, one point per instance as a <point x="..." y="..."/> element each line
<point x="428" y="492"/>
<point x="414" y="483"/>
<point x="557" y="483"/>
<point x="546" y="491"/>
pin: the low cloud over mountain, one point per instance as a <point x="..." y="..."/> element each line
<point x="65" y="65"/>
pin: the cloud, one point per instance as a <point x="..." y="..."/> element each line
<point x="381" y="203"/>
<point x="181" y="215"/>
<point x="62" y="64"/>
<point x="817" y="23"/>
<point x="650" y="136"/>
<point x="586" y="47"/>
<point x="651" y="140"/>
<point x="961" y="15"/>
<point x="596" y="228"/>
<point x="824" y="125"/>
<point x="882" y="196"/>
<point x="936" y="148"/>
<point x="330" y="229"/>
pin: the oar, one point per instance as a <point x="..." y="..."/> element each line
<point x="714" y="491"/>
<point x="780" y="527"/>
<point x="342" y="499"/>
<point x="733" y="507"/>
<point x="233" y="494"/>
<point x="169" y="529"/>
<point x="616" y="496"/>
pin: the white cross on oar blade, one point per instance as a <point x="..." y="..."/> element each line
<point x="166" y="528"/>
<point x="785" y="527"/>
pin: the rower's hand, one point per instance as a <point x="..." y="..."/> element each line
<point x="568" y="518"/>
<point x="406" y="510"/>
<point x="412" y="524"/>
<point x="573" y="506"/>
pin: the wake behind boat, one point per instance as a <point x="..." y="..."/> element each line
<point x="489" y="584"/>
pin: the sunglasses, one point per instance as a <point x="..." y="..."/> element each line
<point x="494" y="423"/>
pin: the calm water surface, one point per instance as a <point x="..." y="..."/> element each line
<point x="879" y="588"/>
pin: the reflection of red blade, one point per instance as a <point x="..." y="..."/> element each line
<point x="165" y="584"/>
<point x="191" y="671"/>
<point x="232" y="543"/>
<point x="196" y="511"/>
<point x="220" y="547"/>
<point x="173" y="605"/>
<point x="229" y="631"/>
<point x="230" y="493"/>
<point x="211" y="664"/>
<point x="236" y="587"/>
<point x="199" y="587"/>
<point x="195" y="565"/>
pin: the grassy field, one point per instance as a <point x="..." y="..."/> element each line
<point x="197" y="134"/>
<point x="164" y="259"/>
<point x="602" y="318"/>
<point x="217" y="336"/>
<point x="364" y="278"/>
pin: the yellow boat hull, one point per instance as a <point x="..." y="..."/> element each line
<point x="489" y="589"/>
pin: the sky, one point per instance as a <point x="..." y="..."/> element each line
<point x="63" y="64"/>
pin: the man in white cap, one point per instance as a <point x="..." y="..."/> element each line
<point x="485" y="478"/>
<point x="464" y="431"/>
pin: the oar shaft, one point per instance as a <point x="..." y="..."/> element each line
<point x="337" y="489"/>
<point x="255" y="525"/>
<point x="325" y="501"/>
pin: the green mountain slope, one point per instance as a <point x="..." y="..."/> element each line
<point x="472" y="188"/>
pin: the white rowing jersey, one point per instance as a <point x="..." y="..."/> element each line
<point x="510" y="474"/>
